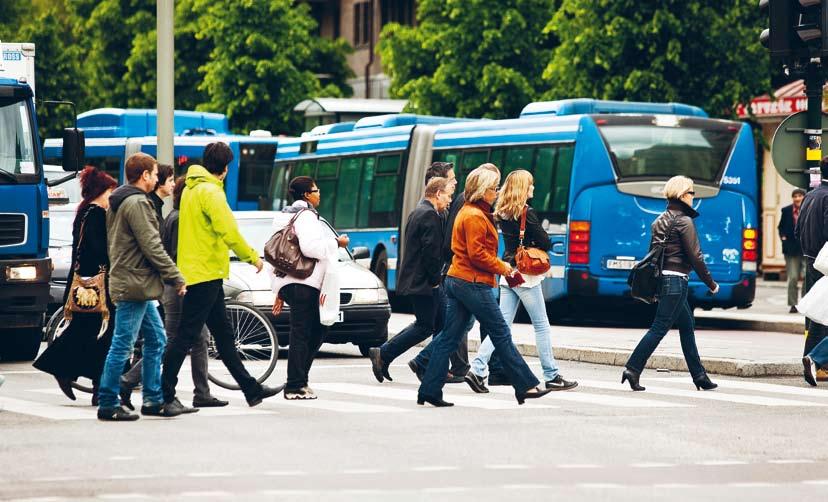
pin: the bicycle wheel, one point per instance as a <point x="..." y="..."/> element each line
<point x="51" y="328"/>
<point x="256" y="345"/>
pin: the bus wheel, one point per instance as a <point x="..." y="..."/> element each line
<point x="381" y="267"/>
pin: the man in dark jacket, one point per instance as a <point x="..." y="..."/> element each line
<point x="812" y="233"/>
<point x="164" y="188"/>
<point x="790" y="246"/>
<point x="418" y="275"/>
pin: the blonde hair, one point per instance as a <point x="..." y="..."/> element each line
<point x="436" y="185"/>
<point x="478" y="181"/>
<point x="513" y="195"/>
<point x="677" y="186"/>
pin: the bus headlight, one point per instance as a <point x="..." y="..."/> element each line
<point x="21" y="273"/>
<point x="257" y="297"/>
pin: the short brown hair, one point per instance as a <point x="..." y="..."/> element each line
<point x="136" y="164"/>
<point x="438" y="170"/>
<point x="164" y="172"/>
<point x="178" y="190"/>
<point x="436" y="185"/>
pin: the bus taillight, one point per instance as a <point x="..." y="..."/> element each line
<point x="579" y="242"/>
<point x="750" y="244"/>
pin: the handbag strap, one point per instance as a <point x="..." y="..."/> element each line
<point x="663" y="243"/>
<point x="80" y="238"/>
<point x="523" y="224"/>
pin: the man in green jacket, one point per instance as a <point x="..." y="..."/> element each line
<point x="207" y="231"/>
<point x="139" y="267"/>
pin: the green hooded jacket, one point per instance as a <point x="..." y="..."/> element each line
<point x="207" y="230"/>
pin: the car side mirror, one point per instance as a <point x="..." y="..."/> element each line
<point x="73" y="149"/>
<point x="361" y="253"/>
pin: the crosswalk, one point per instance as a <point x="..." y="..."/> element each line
<point x="400" y="397"/>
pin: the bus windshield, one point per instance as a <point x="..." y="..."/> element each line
<point x="696" y="148"/>
<point x="17" y="155"/>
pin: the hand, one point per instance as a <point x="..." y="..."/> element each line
<point x="714" y="290"/>
<point x="343" y="240"/>
<point x="277" y="306"/>
<point x="182" y="289"/>
<point x="259" y="265"/>
<point x="784" y="238"/>
<point x="509" y="270"/>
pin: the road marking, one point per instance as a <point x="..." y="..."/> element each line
<point x="285" y="492"/>
<point x="674" y="486"/>
<point x="759" y="386"/>
<point x="410" y="395"/>
<point x="20" y="372"/>
<point x="39" y="499"/>
<point x="56" y="479"/>
<point x="133" y="476"/>
<point x="602" y="399"/>
<point x="286" y="473"/>
<point x="651" y="465"/>
<point x="122" y="496"/>
<point x="721" y="462"/>
<point x="578" y="466"/>
<point x="435" y="468"/>
<point x="445" y="489"/>
<point x="362" y="471"/>
<point x="792" y="461"/>
<point x="328" y="404"/>
<point x="527" y="486"/>
<point x="757" y="484"/>
<point x="819" y="482"/>
<point x="507" y="467"/>
<point x="206" y="494"/>
<point x="118" y="459"/>
<point x="598" y="485"/>
<point x="710" y="396"/>
<point x="210" y="475"/>
<point x="45" y="410"/>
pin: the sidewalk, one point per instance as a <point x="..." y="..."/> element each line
<point x="768" y="313"/>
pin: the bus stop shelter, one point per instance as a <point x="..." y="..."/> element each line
<point x="323" y="111"/>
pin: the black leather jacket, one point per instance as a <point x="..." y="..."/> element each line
<point x="682" y="252"/>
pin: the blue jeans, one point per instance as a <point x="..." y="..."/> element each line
<point x="510" y="299"/>
<point x="467" y="299"/>
<point x="458" y="362"/>
<point x="130" y="318"/>
<point x="673" y="309"/>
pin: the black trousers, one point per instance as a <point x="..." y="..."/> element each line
<point x="428" y="315"/>
<point x="204" y="303"/>
<point x="306" y="332"/>
<point x="816" y="331"/>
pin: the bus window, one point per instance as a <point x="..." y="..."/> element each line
<point x="255" y="168"/>
<point x="544" y="173"/>
<point x="326" y="182"/>
<point x="563" y="176"/>
<point x="517" y="158"/>
<point x="390" y="164"/>
<point x="327" y="168"/>
<point x="384" y="204"/>
<point x="279" y="190"/>
<point x="496" y="156"/>
<point x="349" y="180"/>
<point x="365" y="193"/>
<point x="305" y="168"/>
<point x="452" y="156"/>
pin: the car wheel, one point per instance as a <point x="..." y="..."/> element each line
<point x="381" y="267"/>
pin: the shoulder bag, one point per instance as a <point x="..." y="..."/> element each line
<point x="282" y="251"/>
<point x="645" y="276"/>
<point x="530" y="261"/>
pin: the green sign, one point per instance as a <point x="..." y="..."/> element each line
<point x="788" y="148"/>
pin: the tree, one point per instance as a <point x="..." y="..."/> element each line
<point x="472" y="58"/>
<point x="264" y="60"/>
<point x="700" y="52"/>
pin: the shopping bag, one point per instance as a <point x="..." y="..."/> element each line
<point x="814" y="305"/>
<point x="329" y="295"/>
<point x="821" y="262"/>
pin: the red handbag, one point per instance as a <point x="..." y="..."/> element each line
<point x="530" y="261"/>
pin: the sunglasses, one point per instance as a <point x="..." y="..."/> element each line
<point x="691" y="192"/>
<point x="313" y="191"/>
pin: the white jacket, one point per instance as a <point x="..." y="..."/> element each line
<point x="315" y="241"/>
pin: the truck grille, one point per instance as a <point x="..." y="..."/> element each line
<point x="12" y="229"/>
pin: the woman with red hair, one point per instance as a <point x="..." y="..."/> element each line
<point x="79" y="351"/>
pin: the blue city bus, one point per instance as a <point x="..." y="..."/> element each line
<point x="113" y="134"/>
<point x="599" y="168"/>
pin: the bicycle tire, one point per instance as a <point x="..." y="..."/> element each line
<point x="51" y="327"/>
<point x="255" y="340"/>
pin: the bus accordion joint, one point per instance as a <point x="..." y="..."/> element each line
<point x="579" y="242"/>
<point x="750" y="246"/>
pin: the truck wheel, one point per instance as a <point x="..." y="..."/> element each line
<point x="20" y="344"/>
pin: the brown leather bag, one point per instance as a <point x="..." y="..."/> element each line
<point x="282" y="251"/>
<point x="530" y="261"/>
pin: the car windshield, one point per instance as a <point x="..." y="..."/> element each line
<point x="60" y="228"/>
<point x="17" y="157"/>
<point x="257" y="231"/>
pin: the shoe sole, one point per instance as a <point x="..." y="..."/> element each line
<point x="558" y="389"/>
<point x="295" y="397"/>
<point x="807" y="367"/>
<point x="476" y="386"/>
<point x="210" y="405"/>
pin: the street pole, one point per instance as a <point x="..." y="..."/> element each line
<point x="814" y="82"/>
<point x="165" y="12"/>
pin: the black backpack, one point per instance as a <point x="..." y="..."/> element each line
<point x="645" y="276"/>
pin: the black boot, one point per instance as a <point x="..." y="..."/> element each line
<point x="704" y="383"/>
<point x="633" y="377"/>
<point x="65" y="385"/>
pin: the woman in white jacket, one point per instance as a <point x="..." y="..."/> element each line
<point x="315" y="241"/>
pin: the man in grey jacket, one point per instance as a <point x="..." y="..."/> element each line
<point x="139" y="267"/>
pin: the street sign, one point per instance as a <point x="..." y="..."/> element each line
<point x="788" y="148"/>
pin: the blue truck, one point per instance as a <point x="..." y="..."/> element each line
<point x="25" y="267"/>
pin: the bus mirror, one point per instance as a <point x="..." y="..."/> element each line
<point x="73" y="149"/>
<point x="361" y="253"/>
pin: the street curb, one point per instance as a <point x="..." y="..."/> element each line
<point x="797" y="328"/>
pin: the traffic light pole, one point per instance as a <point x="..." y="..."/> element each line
<point x="814" y="82"/>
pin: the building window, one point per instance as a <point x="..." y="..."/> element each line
<point x="398" y="11"/>
<point x="362" y="24"/>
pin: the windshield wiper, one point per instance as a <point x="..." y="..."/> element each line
<point x="8" y="175"/>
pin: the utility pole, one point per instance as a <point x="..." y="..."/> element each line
<point x="165" y="12"/>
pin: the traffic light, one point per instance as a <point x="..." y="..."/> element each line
<point x="797" y="30"/>
<point x="778" y="37"/>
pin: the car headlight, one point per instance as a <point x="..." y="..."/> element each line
<point x="21" y="273"/>
<point x="383" y="295"/>
<point x="257" y="297"/>
<point x="369" y="296"/>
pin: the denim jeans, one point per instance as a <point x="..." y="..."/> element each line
<point x="130" y="318"/>
<point x="816" y="331"/>
<point x="510" y="299"/>
<point x="794" y="269"/>
<point x="467" y="299"/>
<point x="672" y="309"/>
<point x="428" y="315"/>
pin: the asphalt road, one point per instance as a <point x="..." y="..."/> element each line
<point x="749" y="440"/>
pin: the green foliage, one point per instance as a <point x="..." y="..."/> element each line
<point x="701" y="52"/>
<point x="475" y="58"/>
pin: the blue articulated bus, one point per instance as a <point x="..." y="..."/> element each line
<point x="599" y="168"/>
<point x="113" y="134"/>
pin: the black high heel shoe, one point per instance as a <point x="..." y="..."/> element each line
<point x="437" y="403"/>
<point x="532" y="395"/>
<point x="65" y="385"/>
<point x="704" y="383"/>
<point x="633" y="377"/>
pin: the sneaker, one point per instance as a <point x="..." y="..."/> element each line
<point x="809" y="370"/>
<point x="169" y="410"/>
<point x="558" y="383"/>
<point x="209" y="402"/>
<point x="451" y="378"/>
<point x="822" y="375"/>
<point x="265" y="393"/>
<point x="412" y="364"/>
<point x="303" y="394"/>
<point x="476" y="383"/>
<point x="116" y="415"/>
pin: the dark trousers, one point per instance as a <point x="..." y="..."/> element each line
<point x="816" y="331"/>
<point x="204" y="303"/>
<point x="306" y="332"/>
<point x="467" y="299"/>
<point x="672" y="309"/>
<point x="428" y="314"/>
<point x="460" y="358"/>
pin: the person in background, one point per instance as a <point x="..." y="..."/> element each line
<point x="794" y="262"/>
<point x="166" y="182"/>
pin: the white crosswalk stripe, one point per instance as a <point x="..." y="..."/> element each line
<point x="319" y="404"/>
<point x="771" y="388"/>
<point x="577" y="396"/>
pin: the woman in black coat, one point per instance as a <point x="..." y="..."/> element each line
<point x="79" y="351"/>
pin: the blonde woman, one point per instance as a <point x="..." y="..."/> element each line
<point x="517" y="190"/>
<point x="469" y="284"/>
<point x="682" y="253"/>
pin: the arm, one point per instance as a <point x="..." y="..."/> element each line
<point x="780" y="225"/>
<point x="474" y="230"/>
<point x="224" y="224"/>
<point x="431" y="242"/>
<point x="315" y="241"/>
<point x="144" y="225"/>
<point x="535" y="234"/>
<point x="692" y="249"/>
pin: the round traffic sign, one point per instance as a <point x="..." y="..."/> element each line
<point x="788" y="148"/>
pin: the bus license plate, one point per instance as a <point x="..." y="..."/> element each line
<point x="621" y="264"/>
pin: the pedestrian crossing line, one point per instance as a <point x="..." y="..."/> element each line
<point x="409" y="394"/>
<point x="321" y="404"/>
<point x="790" y="461"/>
<point x="759" y="387"/>
<point x="46" y="410"/>
<point x="577" y="396"/>
<point x="710" y="396"/>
